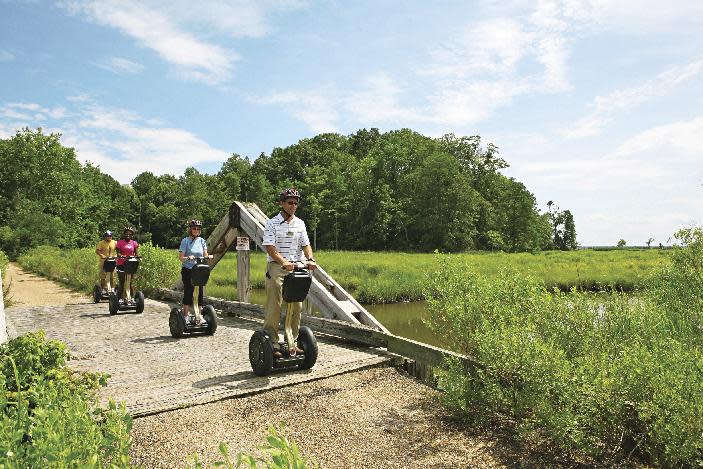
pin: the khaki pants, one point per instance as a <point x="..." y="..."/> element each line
<point x="274" y="298"/>
<point x="104" y="275"/>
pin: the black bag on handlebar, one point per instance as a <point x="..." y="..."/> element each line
<point x="109" y="264"/>
<point x="199" y="274"/>
<point x="296" y="285"/>
<point x="131" y="265"/>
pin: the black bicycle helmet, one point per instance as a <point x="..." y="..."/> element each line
<point x="288" y="193"/>
<point x="195" y="223"/>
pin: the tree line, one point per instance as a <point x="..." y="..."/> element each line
<point x="398" y="190"/>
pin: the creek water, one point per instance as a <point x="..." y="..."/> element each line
<point x="403" y="319"/>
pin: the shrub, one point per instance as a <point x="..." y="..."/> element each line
<point x="49" y="415"/>
<point x="604" y="376"/>
<point x="159" y="268"/>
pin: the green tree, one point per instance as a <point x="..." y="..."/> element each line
<point x="622" y="243"/>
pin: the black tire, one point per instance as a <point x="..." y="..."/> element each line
<point x="139" y="302"/>
<point x="211" y="318"/>
<point x="260" y="354"/>
<point x="113" y="304"/>
<point x="176" y="323"/>
<point x="97" y="294"/>
<point x="307" y="342"/>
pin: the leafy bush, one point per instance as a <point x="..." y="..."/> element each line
<point x="49" y="415"/>
<point x="604" y="376"/>
<point x="159" y="268"/>
<point x="5" y="288"/>
<point x="284" y="454"/>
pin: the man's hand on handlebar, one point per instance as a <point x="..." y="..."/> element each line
<point x="312" y="265"/>
<point x="288" y="265"/>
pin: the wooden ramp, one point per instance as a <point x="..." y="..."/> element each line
<point x="152" y="372"/>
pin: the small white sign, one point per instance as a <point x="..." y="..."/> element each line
<point x="242" y="243"/>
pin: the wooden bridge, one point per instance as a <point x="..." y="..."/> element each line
<point x="153" y="372"/>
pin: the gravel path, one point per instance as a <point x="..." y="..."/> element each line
<point x="372" y="418"/>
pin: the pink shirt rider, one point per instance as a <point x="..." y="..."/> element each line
<point x="125" y="248"/>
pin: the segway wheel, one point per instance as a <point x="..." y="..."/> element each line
<point x="97" y="294"/>
<point x="113" y="304"/>
<point x="308" y="342"/>
<point x="176" y="323"/>
<point x="139" y="302"/>
<point x="260" y="354"/>
<point x="211" y="318"/>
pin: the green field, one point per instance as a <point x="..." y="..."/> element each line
<point x="387" y="277"/>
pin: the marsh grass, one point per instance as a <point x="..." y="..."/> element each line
<point x="390" y="277"/>
<point x="373" y="277"/>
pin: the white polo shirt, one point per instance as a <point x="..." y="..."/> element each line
<point x="288" y="238"/>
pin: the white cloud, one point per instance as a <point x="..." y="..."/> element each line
<point x="649" y="185"/>
<point x="156" y="30"/>
<point x="174" y="29"/>
<point x="120" y="141"/>
<point x="121" y="66"/>
<point x="6" y="56"/>
<point x="316" y="110"/>
<point x="606" y="108"/>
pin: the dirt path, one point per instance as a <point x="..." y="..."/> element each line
<point x="27" y="289"/>
<point x="373" y="418"/>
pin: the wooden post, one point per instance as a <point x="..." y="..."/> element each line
<point x="243" y="284"/>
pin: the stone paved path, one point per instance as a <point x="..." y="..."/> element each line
<point x="152" y="372"/>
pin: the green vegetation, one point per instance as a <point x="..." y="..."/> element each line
<point x="605" y="376"/>
<point x="372" y="277"/>
<point x="49" y="415"/>
<point x="79" y="267"/>
<point x="397" y="191"/>
<point x="5" y="288"/>
<point x="386" y="277"/>
<point x="283" y="454"/>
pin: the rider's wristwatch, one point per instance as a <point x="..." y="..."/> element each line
<point x="311" y="260"/>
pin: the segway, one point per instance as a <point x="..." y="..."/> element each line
<point x="204" y="320"/>
<point x="98" y="292"/>
<point x="127" y="303"/>
<point x="295" y="288"/>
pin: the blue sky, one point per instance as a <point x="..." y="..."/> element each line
<point x="597" y="105"/>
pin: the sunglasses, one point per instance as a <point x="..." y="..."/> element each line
<point x="291" y="202"/>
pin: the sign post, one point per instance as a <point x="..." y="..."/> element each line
<point x="243" y="285"/>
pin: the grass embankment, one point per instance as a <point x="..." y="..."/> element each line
<point x="3" y="265"/>
<point x="372" y="277"/>
<point x="387" y="277"/>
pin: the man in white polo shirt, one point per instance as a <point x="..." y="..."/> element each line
<point x="285" y="240"/>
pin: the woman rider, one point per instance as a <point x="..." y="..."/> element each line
<point x="192" y="246"/>
<point x="125" y="247"/>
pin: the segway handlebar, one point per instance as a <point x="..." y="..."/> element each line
<point x="200" y="260"/>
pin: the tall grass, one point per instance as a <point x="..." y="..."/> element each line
<point x="606" y="377"/>
<point x="388" y="277"/>
<point x="372" y="277"/>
